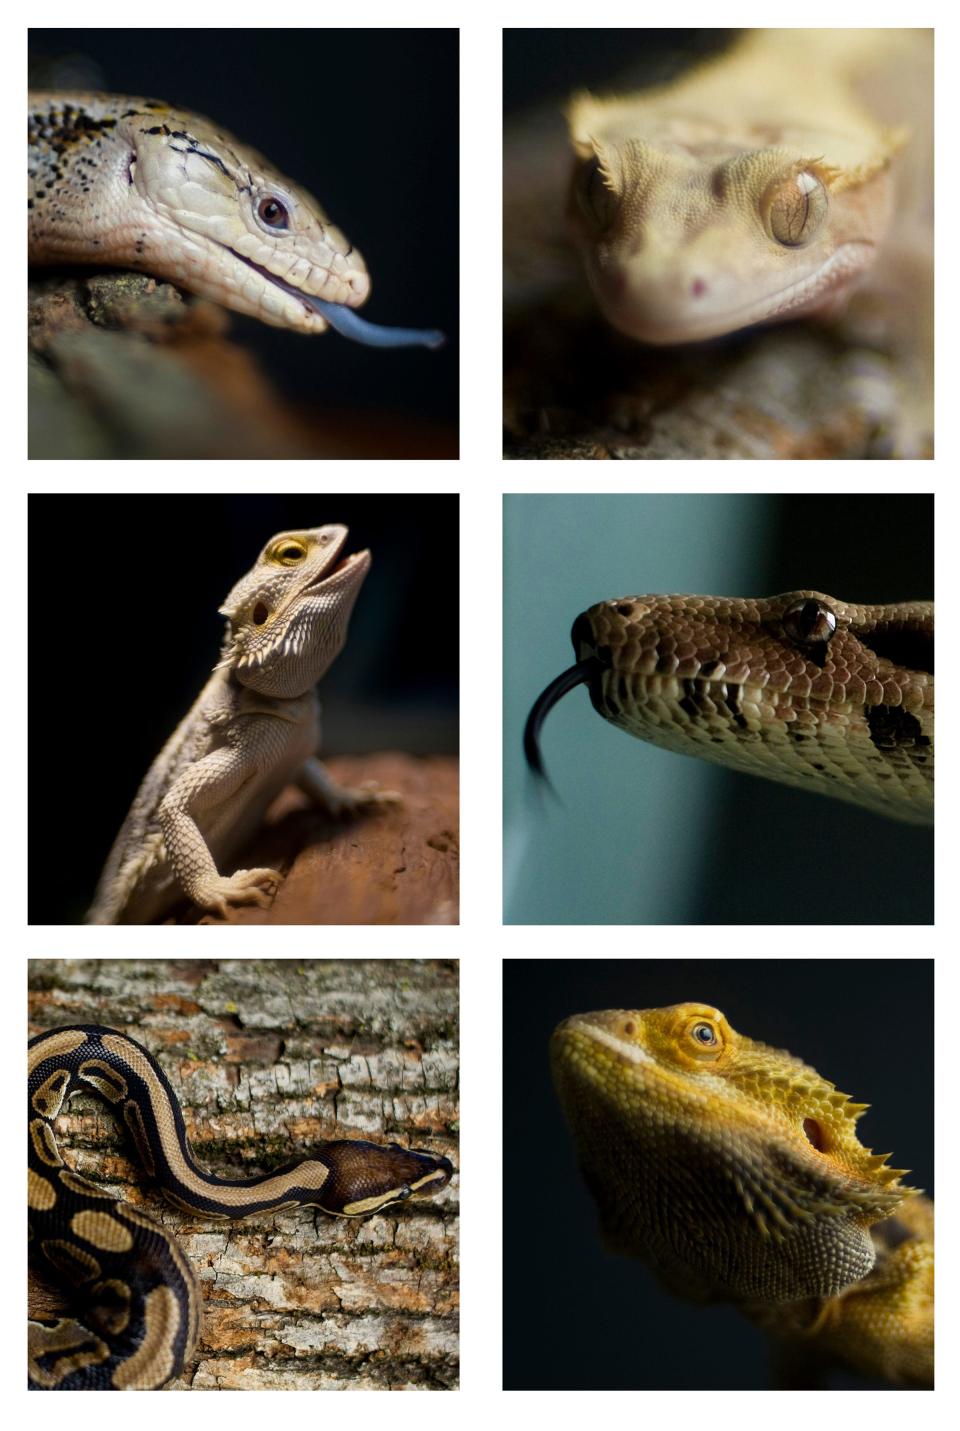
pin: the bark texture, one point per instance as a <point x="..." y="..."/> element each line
<point x="126" y="366"/>
<point x="268" y="1058"/>
<point x="575" y="389"/>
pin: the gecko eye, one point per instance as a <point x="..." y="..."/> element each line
<point x="272" y="213"/>
<point x="810" y="622"/>
<point x="705" y="1034"/>
<point x="596" y="199"/>
<point x="260" y="614"/>
<point x="794" y="209"/>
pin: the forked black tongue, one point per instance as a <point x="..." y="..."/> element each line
<point x="578" y="675"/>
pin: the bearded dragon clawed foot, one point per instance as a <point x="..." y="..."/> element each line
<point x="253" y="729"/>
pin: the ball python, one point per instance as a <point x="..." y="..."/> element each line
<point x="125" y="182"/>
<point x="137" y="1299"/>
<point x="809" y="691"/>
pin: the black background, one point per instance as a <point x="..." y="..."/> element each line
<point x="137" y="634"/>
<point x="576" y="1317"/>
<point x="365" y="120"/>
<point x="839" y="865"/>
<point x="547" y="64"/>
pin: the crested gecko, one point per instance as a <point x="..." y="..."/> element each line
<point x="778" y="180"/>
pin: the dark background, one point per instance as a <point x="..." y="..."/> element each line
<point x="137" y="640"/>
<point x="766" y="854"/>
<point x="575" y="1316"/>
<point x="545" y="64"/>
<point x="368" y="122"/>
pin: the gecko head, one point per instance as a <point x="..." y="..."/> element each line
<point x="687" y="234"/>
<point x="288" y="617"/>
<point x="266" y="244"/>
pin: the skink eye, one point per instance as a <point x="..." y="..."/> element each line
<point x="272" y="212"/>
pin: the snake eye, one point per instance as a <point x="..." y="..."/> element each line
<point x="810" y="622"/>
<point x="272" y="213"/>
<point x="705" y="1034"/>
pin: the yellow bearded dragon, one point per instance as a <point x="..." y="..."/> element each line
<point x="735" y="1171"/>
<point x="771" y="182"/>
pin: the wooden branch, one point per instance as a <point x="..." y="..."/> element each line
<point x="267" y="1058"/>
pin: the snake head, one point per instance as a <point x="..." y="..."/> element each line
<point x="367" y="1177"/>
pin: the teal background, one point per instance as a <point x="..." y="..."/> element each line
<point x="640" y="835"/>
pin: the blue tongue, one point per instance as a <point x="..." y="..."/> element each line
<point x="348" y="322"/>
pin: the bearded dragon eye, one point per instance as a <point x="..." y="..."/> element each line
<point x="291" y="554"/>
<point x="794" y="209"/>
<point x="272" y="212"/>
<point x="705" y="1034"/>
<point x="598" y="202"/>
<point x="810" y="622"/>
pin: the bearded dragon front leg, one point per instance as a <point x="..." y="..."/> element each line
<point x="315" y="780"/>
<point x="208" y="789"/>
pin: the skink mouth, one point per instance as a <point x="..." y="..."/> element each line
<point x="342" y="318"/>
<point x="309" y="302"/>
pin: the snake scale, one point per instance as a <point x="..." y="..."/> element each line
<point x="136" y="1297"/>
<point x="120" y="181"/>
<point x="809" y="691"/>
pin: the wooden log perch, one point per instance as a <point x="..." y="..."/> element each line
<point x="390" y="865"/>
<point x="575" y="389"/>
<point x="126" y="366"/>
<point x="267" y="1059"/>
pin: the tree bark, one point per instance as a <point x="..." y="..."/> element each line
<point x="268" y="1058"/>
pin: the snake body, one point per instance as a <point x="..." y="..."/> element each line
<point x="804" y="689"/>
<point x="121" y="181"/>
<point x="137" y="1300"/>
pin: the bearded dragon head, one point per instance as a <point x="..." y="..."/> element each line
<point x="288" y="617"/>
<point x="732" y="1167"/>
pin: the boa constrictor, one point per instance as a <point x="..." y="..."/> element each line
<point x="136" y="1296"/>
<point x="801" y="688"/>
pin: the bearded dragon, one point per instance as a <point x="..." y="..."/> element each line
<point x="735" y="1171"/>
<point x="253" y="728"/>
<point x="121" y="181"/>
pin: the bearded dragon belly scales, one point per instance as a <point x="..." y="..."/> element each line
<point x="735" y="1171"/>
<point x="253" y="729"/>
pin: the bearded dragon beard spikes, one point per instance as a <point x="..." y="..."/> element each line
<point x="133" y="183"/>
<point x="735" y="1171"/>
<point x="802" y="688"/>
<point x="253" y="729"/>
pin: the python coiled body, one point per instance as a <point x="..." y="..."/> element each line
<point x="136" y="1296"/>
<point x="121" y="181"/>
<point x="804" y="689"/>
